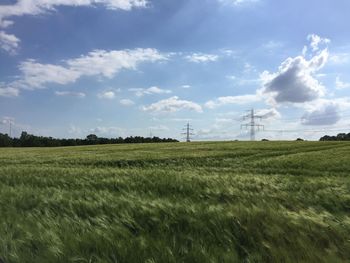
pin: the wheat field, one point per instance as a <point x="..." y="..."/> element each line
<point x="176" y="202"/>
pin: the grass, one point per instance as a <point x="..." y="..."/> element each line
<point x="197" y="202"/>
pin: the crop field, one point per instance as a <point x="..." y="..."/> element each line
<point x="176" y="202"/>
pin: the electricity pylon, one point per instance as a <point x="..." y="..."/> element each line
<point x="252" y="124"/>
<point x="188" y="132"/>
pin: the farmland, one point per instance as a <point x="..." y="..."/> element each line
<point x="195" y="202"/>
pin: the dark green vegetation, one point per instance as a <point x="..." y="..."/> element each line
<point x="339" y="137"/>
<point x="196" y="202"/>
<point x="29" y="140"/>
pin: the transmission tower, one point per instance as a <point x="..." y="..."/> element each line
<point x="188" y="132"/>
<point x="252" y="124"/>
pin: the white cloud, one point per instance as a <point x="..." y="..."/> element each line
<point x="271" y="45"/>
<point x="304" y="51"/>
<point x="339" y="58"/>
<point x="327" y="114"/>
<point x="248" y="68"/>
<point x="9" y="43"/>
<point x="5" y="23"/>
<point x="238" y="2"/>
<point x="106" y="95"/>
<point x="126" y="102"/>
<point x="159" y="128"/>
<point x="70" y="94"/>
<point x="96" y="63"/>
<point x="74" y="130"/>
<point x="269" y="114"/>
<point x="36" y="75"/>
<point x="294" y="81"/>
<point x="109" y="63"/>
<point x="228" y="52"/>
<point x="186" y="86"/>
<point x="37" y="7"/>
<point x="8" y="92"/>
<point x="152" y="90"/>
<point x="340" y="84"/>
<point x="243" y="81"/>
<point x="238" y="100"/>
<point x="173" y="104"/>
<point x="202" y="58"/>
<point x="181" y="119"/>
<point x="316" y="41"/>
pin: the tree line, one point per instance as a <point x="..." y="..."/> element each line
<point x="30" y="140"/>
<point x="339" y="137"/>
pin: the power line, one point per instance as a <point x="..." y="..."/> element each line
<point x="313" y="117"/>
<point x="310" y="130"/>
<point x="188" y="132"/>
<point x="252" y="124"/>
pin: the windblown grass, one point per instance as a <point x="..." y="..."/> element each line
<point x="197" y="202"/>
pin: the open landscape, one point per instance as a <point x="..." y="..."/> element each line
<point x="176" y="202"/>
<point x="174" y="131"/>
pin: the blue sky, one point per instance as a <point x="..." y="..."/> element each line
<point x="134" y="67"/>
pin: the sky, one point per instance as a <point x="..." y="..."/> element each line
<point x="114" y="68"/>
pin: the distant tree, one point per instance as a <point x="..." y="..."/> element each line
<point x="5" y="140"/>
<point x="300" y="139"/>
<point x="29" y="140"/>
<point x="92" y="137"/>
<point x="265" y="140"/>
<point x="339" y="137"/>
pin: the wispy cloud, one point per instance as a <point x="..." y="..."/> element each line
<point x="172" y="104"/>
<point x="316" y="41"/>
<point x="139" y="92"/>
<point x="339" y="58"/>
<point x="8" y="92"/>
<point x="272" y="45"/>
<point x="202" y="58"/>
<point x="96" y="63"/>
<point x="159" y="128"/>
<point x="126" y="102"/>
<point x="340" y="84"/>
<point x="106" y="95"/>
<point x="238" y="3"/>
<point x="70" y="94"/>
<point x="9" y="43"/>
<point x="238" y="100"/>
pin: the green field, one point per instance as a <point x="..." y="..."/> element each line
<point x="196" y="202"/>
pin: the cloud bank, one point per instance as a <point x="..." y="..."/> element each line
<point x="35" y="75"/>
